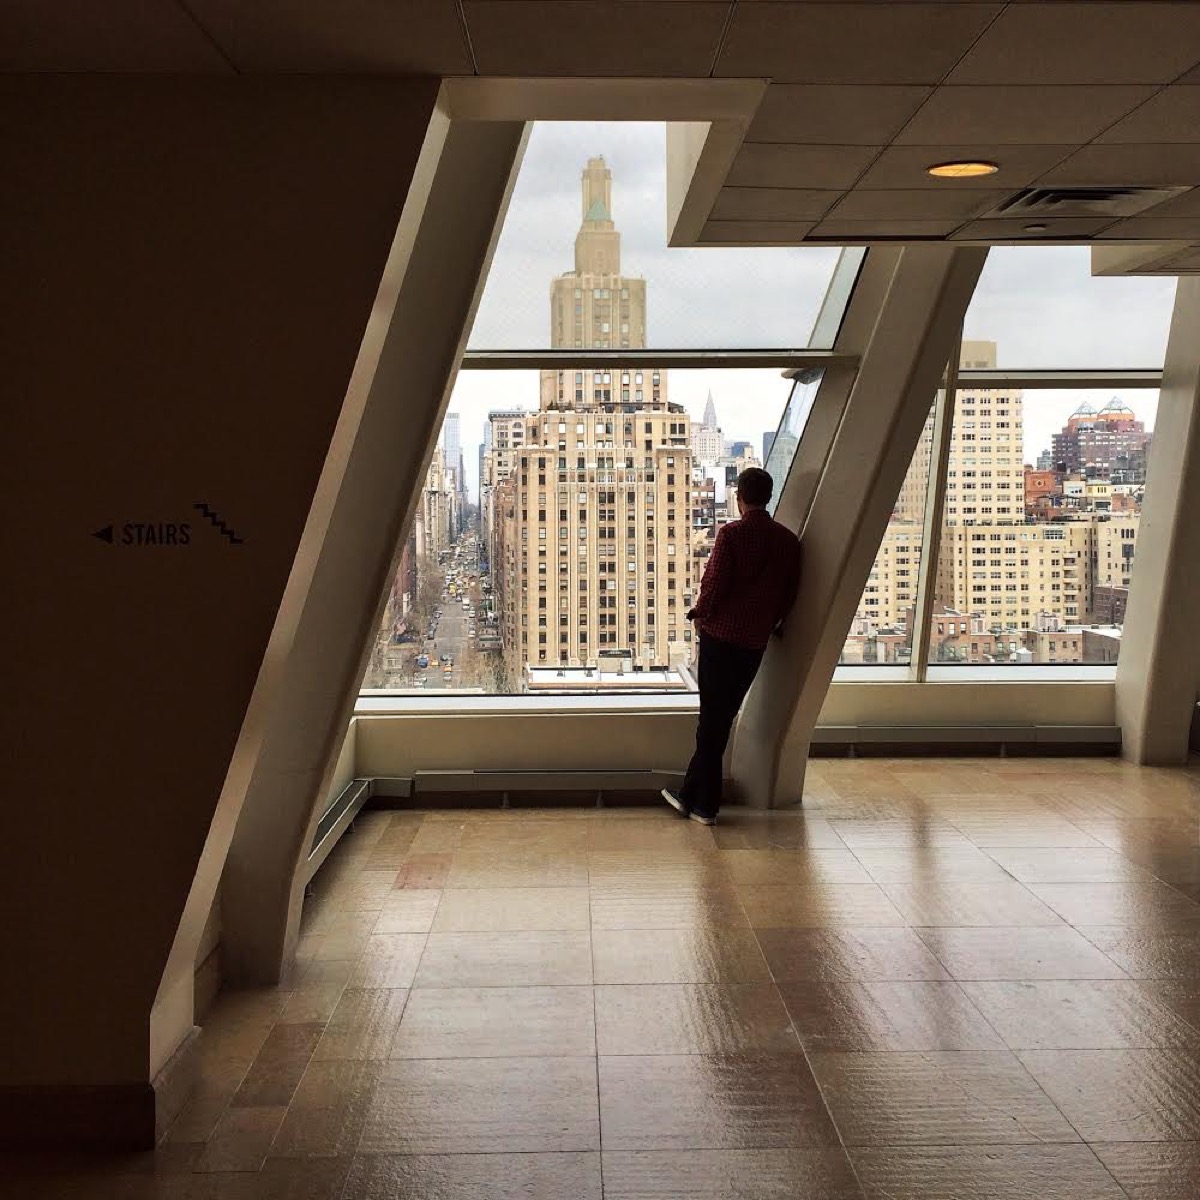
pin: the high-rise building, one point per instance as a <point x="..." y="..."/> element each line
<point x="452" y="445"/>
<point x="504" y="432"/>
<point x="1102" y="443"/>
<point x="710" y="413"/>
<point x="595" y="306"/>
<point x="708" y="444"/>
<point x="592" y="500"/>
<point x="1005" y="574"/>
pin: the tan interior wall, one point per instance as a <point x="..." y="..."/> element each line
<point x="646" y="739"/>
<point x="539" y="741"/>
<point x="191" y="263"/>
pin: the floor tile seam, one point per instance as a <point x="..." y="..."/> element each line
<point x="807" y="1057"/>
<point x="1016" y="1055"/>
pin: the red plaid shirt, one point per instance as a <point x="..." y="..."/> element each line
<point x="750" y="581"/>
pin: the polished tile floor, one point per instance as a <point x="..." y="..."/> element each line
<point x="941" y="979"/>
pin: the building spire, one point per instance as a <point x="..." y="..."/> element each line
<point x="710" y="413"/>
<point x="598" y="244"/>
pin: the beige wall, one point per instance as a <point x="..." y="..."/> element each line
<point x="555" y="738"/>
<point x="191" y="265"/>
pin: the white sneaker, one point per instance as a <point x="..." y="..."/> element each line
<point x="675" y="802"/>
<point x="701" y="819"/>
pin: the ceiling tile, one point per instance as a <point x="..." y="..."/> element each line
<point x="409" y="36"/>
<point x="595" y="37"/>
<point x="1085" y="43"/>
<point x="1187" y="205"/>
<point x="1187" y="262"/>
<point x="771" y="204"/>
<point x="1173" y="115"/>
<point x="773" y="165"/>
<point x="1020" y="116"/>
<point x="851" y="43"/>
<point x="905" y="166"/>
<point x="1100" y="166"/>
<point x="865" y="231"/>
<point x="119" y="35"/>
<point x="828" y="114"/>
<point x="1007" y="229"/>
<point x="921" y="204"/>
<point x="1167" y="229"/>
<point x="756" y="233"/>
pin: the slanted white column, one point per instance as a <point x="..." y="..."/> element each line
<point x="902" y="323"/>
<point x="362" y="515"/>
<point x="1158" y="671"/>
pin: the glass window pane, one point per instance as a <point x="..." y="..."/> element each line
<point x="881" y="633"/>
<point x="1043" y="502"/>
<point x="589" y="212"/>
<point x="561" y="556"/>
<point x="1045" y="309"/>
<point x="779" y="448"/>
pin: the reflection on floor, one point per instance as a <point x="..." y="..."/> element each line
<point x="942" y="979"/>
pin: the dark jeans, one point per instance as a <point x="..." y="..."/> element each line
<point x="725" y="674"/>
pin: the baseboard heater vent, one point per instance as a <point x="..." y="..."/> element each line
<point x="923" y="740"/>
<point x="335" y="820"/>
<point x="597" y="783"/>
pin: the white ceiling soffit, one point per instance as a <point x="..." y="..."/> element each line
<point x="860" y="97"/>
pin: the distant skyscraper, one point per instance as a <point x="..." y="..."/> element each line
<point x="590" y="502"/>
<point x="710" y="413"/>
<point x="768" y="442"/>
<point x="707" y="445"/>
<point x="452" y="446"/>
<point x="595" y="306"/>
<point x="1092" y="442"/>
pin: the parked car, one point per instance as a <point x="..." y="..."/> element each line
<point x="422" y="661"/>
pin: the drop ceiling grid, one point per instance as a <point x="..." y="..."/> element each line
<point x="1082" y="115"/>
<point x="1058" y="91"/>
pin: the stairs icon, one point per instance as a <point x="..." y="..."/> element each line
<point x="214" y="519"/>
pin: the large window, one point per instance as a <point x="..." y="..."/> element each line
<point x="1039" y="485"/>
<point x="569" y="510"/>
<point x="558" y="549"/>
<point x="882" y="631"/>
<point x="1043" y="505"/>
<point x="1045" y="309"/>
<point x="638" y="292"/>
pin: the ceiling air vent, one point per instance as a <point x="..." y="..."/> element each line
<point x="1113" y="202"/>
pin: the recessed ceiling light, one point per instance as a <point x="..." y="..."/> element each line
<point x="1035" y="228"/>
<point x="962" y="170"/>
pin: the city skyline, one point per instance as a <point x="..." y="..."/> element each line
<point x="1040" y="304"/>
<point x="765" y="393"/>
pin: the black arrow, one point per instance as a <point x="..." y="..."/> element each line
<point x="105" y="534"/>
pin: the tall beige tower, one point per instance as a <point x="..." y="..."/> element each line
<point x="595" y="306"/>
<point x="592" y="558"/>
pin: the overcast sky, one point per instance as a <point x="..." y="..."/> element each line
<point x="1041" y="305"/>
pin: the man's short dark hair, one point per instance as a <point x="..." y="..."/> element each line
<point x="755" y="486"/>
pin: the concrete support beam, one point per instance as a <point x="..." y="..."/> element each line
<point x="364" y="510"/>
<point x="1158" y="672"/>
<point x="903" y="322"/>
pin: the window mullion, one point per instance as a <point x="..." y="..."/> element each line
<point x="935" y="499"/>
